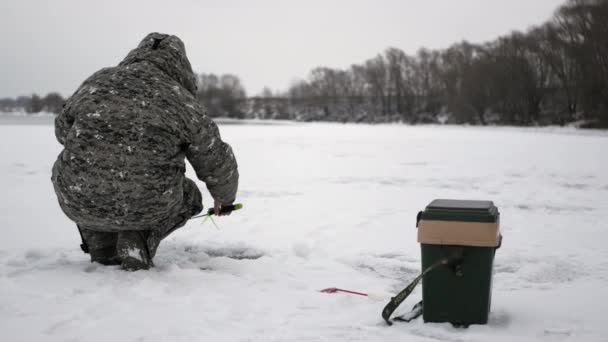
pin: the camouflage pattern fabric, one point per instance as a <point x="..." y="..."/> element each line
<point x="126" y="133"/>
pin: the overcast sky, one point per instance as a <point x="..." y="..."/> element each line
<point x="54" y="45"/>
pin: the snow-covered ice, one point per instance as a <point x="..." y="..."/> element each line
<point x="326" y="205"/>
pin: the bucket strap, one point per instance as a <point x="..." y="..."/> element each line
<point x="412" y="315"/>
<point x="401" y="296"/>
<point x="453" y="260"/>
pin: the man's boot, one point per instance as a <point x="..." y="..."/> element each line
<point x="132" y="250"/>
<point x="101" y="246"/>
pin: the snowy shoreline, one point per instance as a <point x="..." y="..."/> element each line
<point x="23" y="119"/>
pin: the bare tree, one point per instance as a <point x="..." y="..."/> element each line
<point x="53" y="102"/>
<point x="222" y="95"/>
<point x="376" y="74"/>
<point x="35" y="105"/>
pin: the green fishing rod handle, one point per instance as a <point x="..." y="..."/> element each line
<point x="226" y="209"/>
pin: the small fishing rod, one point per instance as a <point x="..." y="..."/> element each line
<point x="373" y="296"/>
<point x="225" y="209"/>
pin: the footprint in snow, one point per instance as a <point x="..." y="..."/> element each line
<point x="517" y="273"/>
<point x="399" y="267"/>
<point x="576" y="186"/>
<point x="557" y="332"/>
<point x="238" y="253"/>
<point x="202" y="252"/>
<point x="505" y="268"/>
<point x="552" y="272"/>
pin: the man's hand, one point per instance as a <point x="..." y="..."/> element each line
<point x="217" y="208"/>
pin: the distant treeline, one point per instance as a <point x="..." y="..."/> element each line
<point x="556" y="73"/>
<point x="52" y="103"/>
<point x="552" y="74"/>
<point x="223" y="96"/>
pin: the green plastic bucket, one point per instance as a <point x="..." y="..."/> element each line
<point x="467" y="231"/>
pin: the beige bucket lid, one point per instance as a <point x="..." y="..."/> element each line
<point x="479" y="234"/>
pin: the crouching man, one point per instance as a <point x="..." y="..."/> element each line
<point x="126" y="132"/>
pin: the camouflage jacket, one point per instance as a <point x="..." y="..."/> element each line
<point x="126" y="132"/>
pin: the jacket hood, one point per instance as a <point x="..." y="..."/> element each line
<point x="167" y="53"/>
